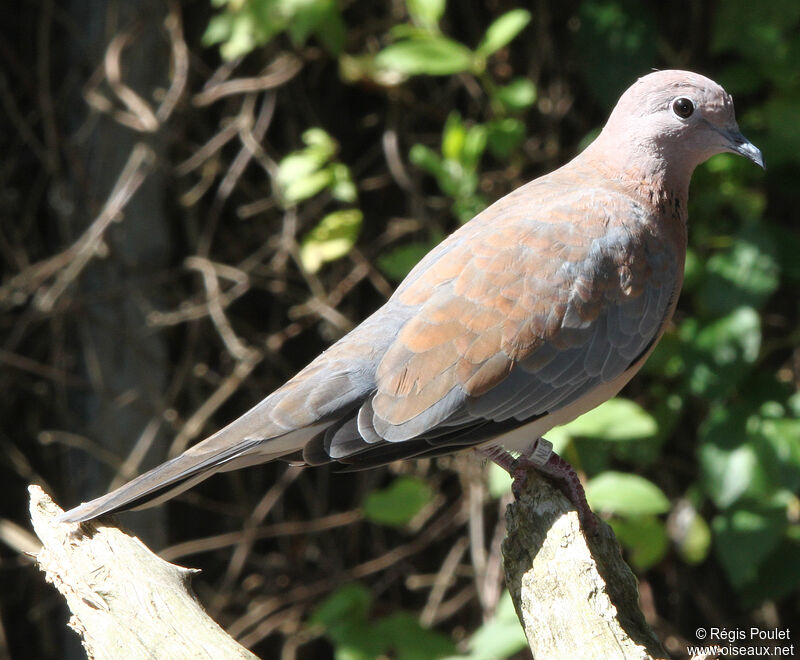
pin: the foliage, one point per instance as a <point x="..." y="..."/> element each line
<point x="500" y="637"/>
<point x="244" y="25"/>
<point x="344" y="617"/>
<point x="304" y="174"/>
<point x="397" y="504"/>
<point x="310" y="170"/>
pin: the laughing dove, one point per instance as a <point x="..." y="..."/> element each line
<point x="539" y="309"/>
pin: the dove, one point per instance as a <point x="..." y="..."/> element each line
<point x="537" y="310"/>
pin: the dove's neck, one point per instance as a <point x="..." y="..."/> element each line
<point x="658" y="179"/>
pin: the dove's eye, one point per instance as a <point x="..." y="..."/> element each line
<point x="683" y="107"/>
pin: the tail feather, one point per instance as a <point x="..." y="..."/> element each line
<point x="160" y="483"/>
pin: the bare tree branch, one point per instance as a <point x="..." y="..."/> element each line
<point x="125" y="601"/>
<point x="575" y="599"/>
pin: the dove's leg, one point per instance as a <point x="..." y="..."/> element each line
<point x="544" y="460"/>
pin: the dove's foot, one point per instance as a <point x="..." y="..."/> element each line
<point x="544" y="460"/>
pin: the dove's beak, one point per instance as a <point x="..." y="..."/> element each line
<point x="739" y="144"/>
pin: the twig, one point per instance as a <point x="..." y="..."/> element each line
<point x="67" y="265"/>
<point x="249" y="535"/>
<point x="493" y="578"/>
<point x="238" y="349"/>
<point x="442" y="583"/>
<point x="191" y="429"/>
<point x="134" y="173"/>
<point x="43" y="38"/>
<point x="453" y="517"/>
<point x="212" y="146"/>
<point x="140" y="115"/>
<point x="57" y="375"/>
<point x="250" y="143"/>
<point x="281" y="70"/>
<point x="21" y="124"/>
<point x="136" y="455"/>
<point x="192" y="312"/>
<point x="476" y="538"/>
<point x="291" y="528"/>
<point x="180" y="63"/>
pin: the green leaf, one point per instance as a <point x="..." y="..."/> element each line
<point x="319" y="139"/>
<point x="342" y="186"/>
<point x="242" y="27"/>
<point x="504" y="136"/>
<point x="398" y="263"/>
<point x="518" y="95"/>
<point x="616" y="419"/>
<point x="300" y="174"/>
<point x="343" y="615"/>
<point x="219" y="29"/>
<point x="725" y="350"/>
<point x="247" y="24"/>
<point x="297" y="190"/>
<point x="500" y="637"/>
<point x="331" y="239"/>
<point x="691" y="534"/>
<point x="245" y="34"/>
<point x="645" y="537"/>
<point x="427" y="159"/>
<point x="426" y="13"/>
<point x="434" y="57"/>
<point x="349" y="603"/>
<point x="781" y="451"/>
<point x="745" y="275"/>
<point x="499" y="481"/>
<point x="778" y="575"/>
<point x="625" y="494"/>
<point x="729" y="462"/>
<point x="474" y="146"/>
<point x="744" y="538"/>
<point x="397" y="504"/>
<point x="503" y="30"/>
<point x="319" y="17"/>
<point x="403" y="634"/>
<point x="331" y="30"/>
<point x="298" y="165"/>
<point x="454" y="135"/>
<point x="617" y="41"/>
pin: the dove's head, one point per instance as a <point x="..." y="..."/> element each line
<point x="673" y="121"/>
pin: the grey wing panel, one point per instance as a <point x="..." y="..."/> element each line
<point x="599" y="311"/>
<point x="617" y="337"/>
<point x="538" y="385"/>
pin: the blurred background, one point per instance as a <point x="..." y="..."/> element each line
<point x="198" y="197"/>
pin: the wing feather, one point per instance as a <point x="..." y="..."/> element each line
<point x="541" y="312"/>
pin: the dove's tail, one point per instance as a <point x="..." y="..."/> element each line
<point x="190" y="468"/>
<point x="153" y="487"/>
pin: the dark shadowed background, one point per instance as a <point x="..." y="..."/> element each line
<point x="196" y="198"/>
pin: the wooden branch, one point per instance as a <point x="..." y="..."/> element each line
<point x="126" y="602"/>
<point x="575" y="600"/>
